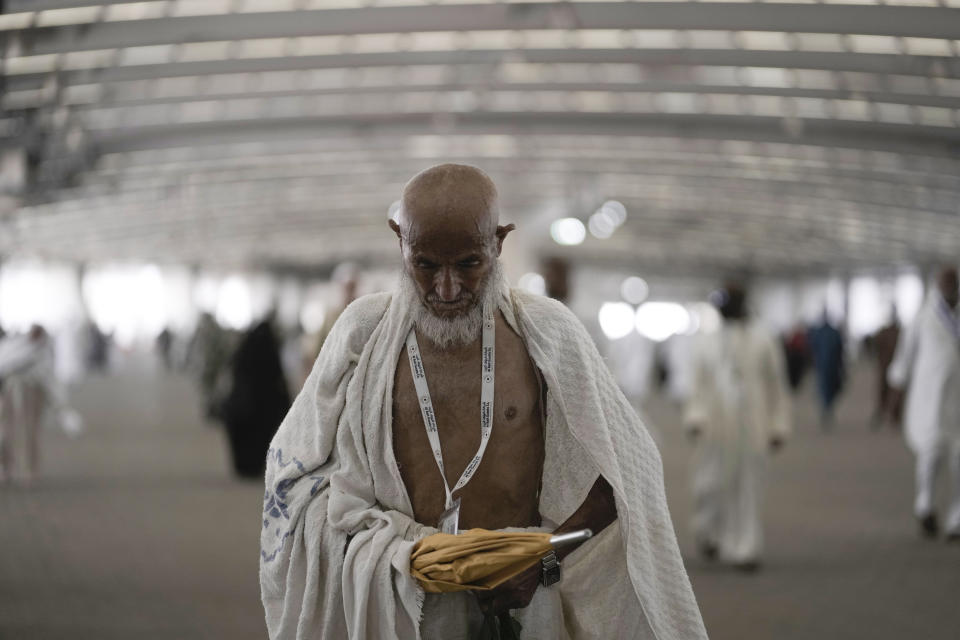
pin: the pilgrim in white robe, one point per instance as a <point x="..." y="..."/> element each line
<point x="337" y="525"/>
<point x="30" y="389"/>
<point x="739" y="402"/>
<point x="927" y="364"/>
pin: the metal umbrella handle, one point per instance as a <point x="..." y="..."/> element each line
<point x="567" y="539"/>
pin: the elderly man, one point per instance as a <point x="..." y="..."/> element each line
<point x="928" y="359"/>
<point x="455" y="403"/>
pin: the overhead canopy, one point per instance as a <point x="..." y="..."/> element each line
<point x="773" y="137"/>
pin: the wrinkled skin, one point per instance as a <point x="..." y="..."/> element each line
<point x="447" y="224"/>
<point x="450" y="239"/>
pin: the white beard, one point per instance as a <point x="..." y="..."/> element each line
<point x="460" y="330"/>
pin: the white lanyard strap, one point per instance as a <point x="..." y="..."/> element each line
<point x="487" y="368"/>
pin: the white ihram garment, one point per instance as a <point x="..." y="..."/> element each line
<point x="30" y="390"/>
<point x="927" y="363"/>
<point x="739" y="401"/>
<point x="338" y="528"/>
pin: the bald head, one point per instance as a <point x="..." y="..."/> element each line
<point x="449" y="234"/>
<point x="449" y="196"/>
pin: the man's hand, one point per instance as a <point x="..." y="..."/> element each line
<point x="597" y="512"/>
<point x="515" y="593"/>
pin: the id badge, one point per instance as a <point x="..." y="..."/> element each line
<point x="450" y="519"/>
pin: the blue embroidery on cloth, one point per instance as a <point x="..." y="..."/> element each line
<point x="275" y="502"/>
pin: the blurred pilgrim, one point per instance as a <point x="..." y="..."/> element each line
<point x="927" y="366"/>
<point x="738" y="410"/>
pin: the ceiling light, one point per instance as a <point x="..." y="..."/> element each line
<point x="616" y="319"/>
<point x="634" y="290"/>
<point x="615" y="211"/>
<point x="534" y="283"/>
<point x="601" y="225"/>
<point x="660" y="320"/>
<point x="568" y="231"/>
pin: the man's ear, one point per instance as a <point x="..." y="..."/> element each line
<point x="502" y="232"/>
<point x="396" y="228"/>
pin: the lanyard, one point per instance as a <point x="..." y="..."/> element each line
<point x="430" y="418"/>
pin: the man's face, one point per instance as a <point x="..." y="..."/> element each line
<point x="450" y="263"/>
<point x="950" y="287"/>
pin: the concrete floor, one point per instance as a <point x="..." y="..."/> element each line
<point x="137" y="530"/>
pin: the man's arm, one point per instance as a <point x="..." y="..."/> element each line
<point x="597" y="512"/>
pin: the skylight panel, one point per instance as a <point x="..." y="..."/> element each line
<point x="814" y="79"/>
<point x="851" y="109"/>
<point x="928" y="47"/>
<point x="385" y="42"/>
<point x="204" y="51"/>
<point x="30" y="64"/>
<point x="547" y="39"/>
<point x="766" y="77"/>
<point x="319" y="45"/>
<point x="68" y="16"/>
<point x="152" y="54"/>
<point x="722" y="76"/>
<point x="919" y="85"/>
<point x="184" y="8"/>
<point x="809" y="107"/>
<point x="135" y="11"/>
<point x="490" y="39"/>
<point x="655" y="38"/>
<point x="948" y="86"/>
<point x="725" y="104"/>
<point x="177" y="87"/>
<point x="266" y="6"/>
<point x="600" y="38"/>
<point x="670" y="102"/>
<point x="15" y="21"/>
<point x="826" y="42"/>
<point x="937" y="116"/>
<point x="874" y="44"/>
<point x="78" y="94"/>
<point x="708" y="39"/>
<point x="764" y="40"/>
<point x="96" y="59"/>
<point x="264" y="48"/>
<point x="894" y="113"/>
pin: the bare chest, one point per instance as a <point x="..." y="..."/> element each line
<point x="504" y="491"/>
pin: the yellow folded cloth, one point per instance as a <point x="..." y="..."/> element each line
<point x="475" y="559"/>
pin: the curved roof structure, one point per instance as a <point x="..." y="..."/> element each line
<point x="766" y="136"/>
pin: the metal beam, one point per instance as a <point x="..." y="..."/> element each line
<point x="927" y="22"/>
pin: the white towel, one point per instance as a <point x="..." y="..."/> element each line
<point x="338" y="527"/>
